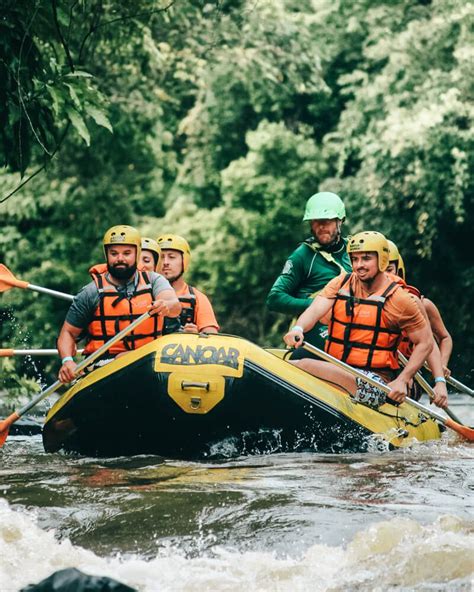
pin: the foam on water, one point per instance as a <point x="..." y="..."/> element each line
<point x="397" y="554"/>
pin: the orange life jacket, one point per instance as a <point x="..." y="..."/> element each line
<point x="358" y="331"/>
<point x="115" y="312"/>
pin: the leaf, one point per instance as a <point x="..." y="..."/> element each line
<point x="79" y="125"/>
<point x="78" y="74"/>
<point x="63" y="17"/>
<point x="74" y="96"/>
<point x="99" y="117"/>
<point x="58" y="99"/>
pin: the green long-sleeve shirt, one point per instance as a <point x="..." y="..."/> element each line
<point x="307" y="270"/>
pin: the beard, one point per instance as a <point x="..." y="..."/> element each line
<point x="329" y="241"/>
<point x="122" y="272"/>
<point x="173" y="278"/>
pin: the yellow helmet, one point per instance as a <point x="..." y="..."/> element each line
<point x="122" y="235"/>
<point x="393" y="252"/>
<point x="401" y="267"/>
<point x="369" y="241"/>
<point x="150" y="244"/>
<point x="394" y="255"/>
<point x="175" y="242"/>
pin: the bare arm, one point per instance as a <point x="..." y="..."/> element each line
<point x="436" y="367"/>
<point x="318" y="308"/>
<point x="443" y="338"/>
<point x="67" y="347"/>
<point x="422" y="340"/>
<point x="167" y="304"/>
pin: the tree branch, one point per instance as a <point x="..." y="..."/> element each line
<point x="92" y="30"/>
<point x="60" y="35"/>
<point x="41" y="168"/>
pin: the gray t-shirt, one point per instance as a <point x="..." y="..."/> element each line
<point x="83" y="306"/>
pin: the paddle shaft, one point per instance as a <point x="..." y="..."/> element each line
<point x="62" y="295"/>
<point x="86" y="362"/>
<point x="427" y="388"/>
<point x="468" y="433"/>
<point x="8" y="281"/>
<point x="462" y="388"/>
<point x="6" y="353"/>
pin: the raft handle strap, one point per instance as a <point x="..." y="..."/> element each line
<point x="188" y="384"/>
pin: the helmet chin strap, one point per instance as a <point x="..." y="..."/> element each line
<point x="338" y="235"/>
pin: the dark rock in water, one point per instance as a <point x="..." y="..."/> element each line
<point x="73" y="580"/>
<point x="26" y="426"/>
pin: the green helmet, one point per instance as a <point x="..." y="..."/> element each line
<point x="324" y="206"/>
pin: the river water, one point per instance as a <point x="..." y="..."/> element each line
<point x="385" y="521"/>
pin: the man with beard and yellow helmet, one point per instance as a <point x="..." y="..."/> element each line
<point x="117" y="295"/>
<point x="315" y="262"/>
<point x="197" y="315"/>
<point x="368" y="312"/>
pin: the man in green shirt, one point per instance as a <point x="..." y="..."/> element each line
<point x="315" y="262"/>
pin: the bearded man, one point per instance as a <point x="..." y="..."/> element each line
<point x="118" y="294"/>
<point x="314" y="263"/>
<point x="368" y="313"/>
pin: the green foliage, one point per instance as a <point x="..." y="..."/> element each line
<point x="265" y="66"/>
<point x="42" y="89"/>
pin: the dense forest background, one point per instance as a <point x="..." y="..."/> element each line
<point x="217" y="120"/>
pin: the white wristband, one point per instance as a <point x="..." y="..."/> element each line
<point x="440" y="379"/>
<point x="297" y="328"/>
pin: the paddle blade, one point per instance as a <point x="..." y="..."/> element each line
<point x="8" y="280"/>
<point x="6" y="353"/>
<point x="464" y="431"/>
<point x="5" y="427"/>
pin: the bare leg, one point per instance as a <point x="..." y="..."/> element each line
<point x="359" y="389"/>
<point x="329" y="372"/>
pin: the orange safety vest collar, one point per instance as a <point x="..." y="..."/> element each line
<point x="358" y="331"/>
<point x="115" y="312"/>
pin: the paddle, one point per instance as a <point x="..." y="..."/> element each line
<point x="7" y="353"/>
<point x="427" y="387"/>
<point x="8" y="281"/>
<point x="464" y="431"/>
<point x="11" y="419"/>
<point x="462" y="388"/>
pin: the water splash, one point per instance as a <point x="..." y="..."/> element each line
<point x="398" y="554"/>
